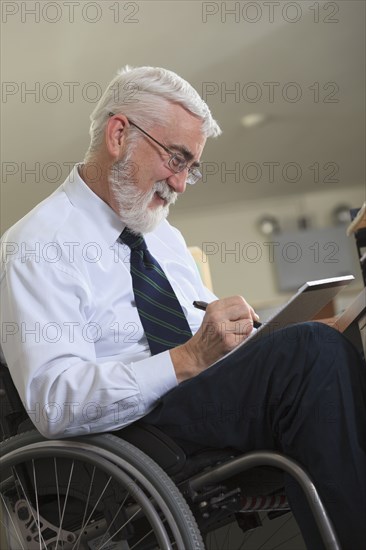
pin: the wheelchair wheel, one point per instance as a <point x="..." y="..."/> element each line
<point x="90" y="493"/>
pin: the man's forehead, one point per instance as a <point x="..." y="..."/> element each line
<point x="181" y="131"/>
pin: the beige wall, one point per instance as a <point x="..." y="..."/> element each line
<point x="236" y="223"/>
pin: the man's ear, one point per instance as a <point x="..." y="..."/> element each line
<point x="115" y="135"/>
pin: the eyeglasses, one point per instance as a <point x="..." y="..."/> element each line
<point x="177" y="163"/>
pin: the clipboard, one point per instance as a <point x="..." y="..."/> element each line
<point x="302" y="306"/>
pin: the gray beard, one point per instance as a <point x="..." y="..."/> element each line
<point x="133" y="204"/>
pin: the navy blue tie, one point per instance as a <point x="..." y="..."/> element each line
<point x="161" y="314"/>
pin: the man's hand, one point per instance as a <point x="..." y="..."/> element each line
<point x="227" y="322"/>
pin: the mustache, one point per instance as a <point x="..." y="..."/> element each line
<point x="165" y="191"/>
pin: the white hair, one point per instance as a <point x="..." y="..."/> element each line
<point x="142" y="94"/>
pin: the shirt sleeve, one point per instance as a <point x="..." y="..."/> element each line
<point x="48" y="343"/>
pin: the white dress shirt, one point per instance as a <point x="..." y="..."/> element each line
<point x="71" y="333"/>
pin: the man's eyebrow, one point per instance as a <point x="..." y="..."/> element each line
<point x="188" y="155"/>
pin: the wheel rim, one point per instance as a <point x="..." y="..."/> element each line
<point x="161" y="527"/>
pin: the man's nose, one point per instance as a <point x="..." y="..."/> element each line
<point x="178" y="181"/>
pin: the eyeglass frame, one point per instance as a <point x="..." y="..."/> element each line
<point x="193" y="171"/>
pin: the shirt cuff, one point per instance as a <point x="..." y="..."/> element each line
<point x="155" y="377"/>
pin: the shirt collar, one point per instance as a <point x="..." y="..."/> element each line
<point x="99" y="212"/>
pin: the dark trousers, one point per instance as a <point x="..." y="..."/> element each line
<point x="301" y="391"/>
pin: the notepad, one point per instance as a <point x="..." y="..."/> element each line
<point x="303" y="306"/>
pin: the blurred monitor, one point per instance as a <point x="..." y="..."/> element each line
<point x="312" y="254"/>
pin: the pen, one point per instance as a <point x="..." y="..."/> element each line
<point x="203" y="305"/>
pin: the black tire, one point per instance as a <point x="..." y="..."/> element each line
<point x="151" y="511"/>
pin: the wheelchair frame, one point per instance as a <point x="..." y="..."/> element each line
<point x="202" y="490"/>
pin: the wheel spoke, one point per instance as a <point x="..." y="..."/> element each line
<point x="83" y="522"/>
<point x="38" y="522"/>
<point x="120" y="528"/>
<point x="58" y="491"/>
<point x="285" y="541"/>
<point x="30" y="507"/>
<point x="95" y="505"/>
<point x="275" y="532"/>
<point x="65" y="503"/>
<point x="12" y="522"/>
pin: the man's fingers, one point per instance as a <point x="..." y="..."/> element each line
<point x="255" y="315"/>
<point x="233" y="308"/>
<point x="241" y="327"/>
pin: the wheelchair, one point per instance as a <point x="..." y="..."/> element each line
<point x="137" y="491"/>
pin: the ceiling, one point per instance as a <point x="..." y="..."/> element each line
<point x="301" y="64"/>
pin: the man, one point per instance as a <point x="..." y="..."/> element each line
<point x="100" y="330"/>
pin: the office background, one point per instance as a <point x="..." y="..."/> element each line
<point x="285" y="80"/>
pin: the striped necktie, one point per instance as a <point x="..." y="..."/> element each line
<point x="161" y="314"/>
